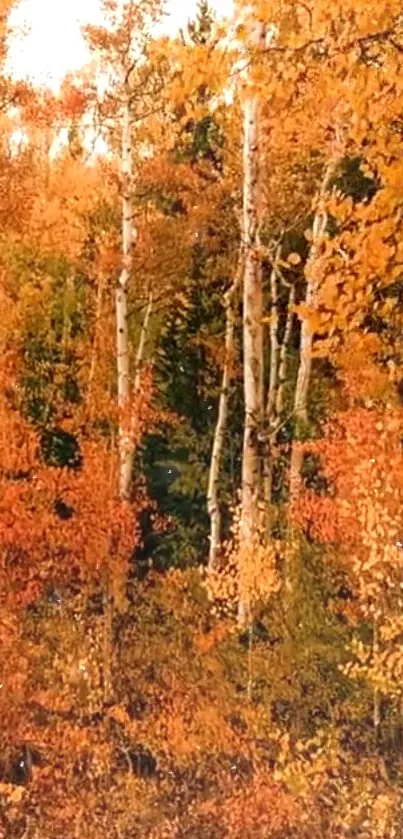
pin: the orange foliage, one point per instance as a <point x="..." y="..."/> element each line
<point x="360" y="512"/>
<point x="75" y="672"/>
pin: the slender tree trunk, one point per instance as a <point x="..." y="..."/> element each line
<point x="67" y="304"/>
<point x="142" y="342"/>
<point x="94" y="348"/>
<point x="252" y="325"/>
<point x="274" y="342"/>
<point x="213" y="505"/>
<point x="375" y="652"/>
<point x="122" y="335"/>
<point x="271" y="419"/>
<point x="283" y="364"/>
<point x="313" y="276"/>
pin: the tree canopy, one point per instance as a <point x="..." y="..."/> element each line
<point x="201" y="396"/>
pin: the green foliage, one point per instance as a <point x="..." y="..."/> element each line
<point x="202" y="140"/>
<point x="59" y="448"/>
<point x="176" y="461"/>
<point x="200" y="29"/>
<point x="187" y="377"/>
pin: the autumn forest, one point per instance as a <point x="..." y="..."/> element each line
<point x="201" y="428"/>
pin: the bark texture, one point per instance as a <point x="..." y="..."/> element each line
<point x="252" y="318"/>
<point x="140" y="354"/>
<point x="122" y="335"/>
<point x="213" y="503"/>
<point x="313" y="277"/>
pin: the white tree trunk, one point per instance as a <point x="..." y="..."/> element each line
<point x="252" y="323"/>
<point x="313" y="277"/>
<point x="122" y="335"/>
<point x="142" y="342"/>
<point x="271" y="420"/>
<point x="283" y="364"/>
<point x="95" y="342"/>
<point x="213" y="505"/>
<point x="274" y="342"/>
<point x="67" y="312"/>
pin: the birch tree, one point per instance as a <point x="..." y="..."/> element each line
<point x="122" y="332"/>
<point x="213" y="502"/>
<point x="123" y="46"/>
<point x="271" y="402"/>
<point x="141" y="346"/>
<point x="280" y="329"/>
<point x="313" y="277"/>
<point x="252" y="310"/>
<point x="283" y="356"/>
